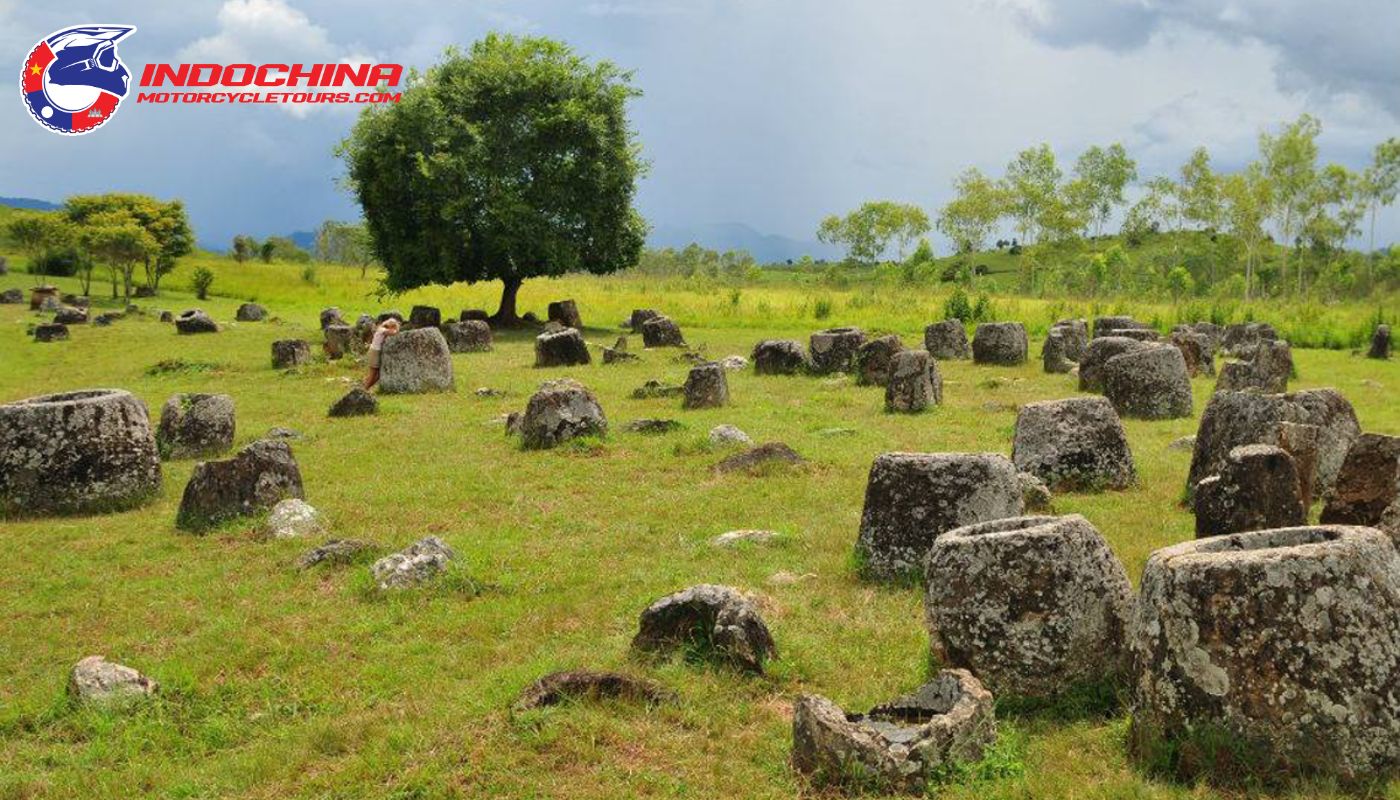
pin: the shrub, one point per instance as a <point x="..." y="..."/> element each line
<point x="822" y="308"/>
<point x="202" y="279"/>
<point x="59" y="263"/>
<point x="957" y="306"/>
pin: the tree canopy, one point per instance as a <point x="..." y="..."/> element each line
<point x="870" y="230"/>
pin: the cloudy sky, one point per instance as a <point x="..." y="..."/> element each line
<point x="771" y="113"/>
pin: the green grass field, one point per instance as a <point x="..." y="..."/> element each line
<point x="279" y="683"/>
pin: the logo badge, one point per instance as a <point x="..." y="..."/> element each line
<point x="73" y="80"/>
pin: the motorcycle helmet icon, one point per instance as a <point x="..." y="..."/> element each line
<point x="87" y="56"/>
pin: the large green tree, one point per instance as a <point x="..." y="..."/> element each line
<point x="1248" y="203"/>
<point x="1032" y="187"/>
<point x="511" y="161"/>
<point x="971" y="216"/>
<point x="165" y="222"/>
<point x="1101" y="175"/>
<point x="1290" y="160"/>
<point x="1381" y="181"/>
<point x="870" y="230"/>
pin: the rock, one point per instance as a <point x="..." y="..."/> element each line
<point x="913" y="498"/>
<point x="1053" y="356"/>
<point x="729" y="435"/>
<point x="640" y="316"/>
<point x="166" y="316"/>
<point x="661" y="332"/>
<point x="1268" y="371"/>
<point x="734" y="363"/>
<point x="779" y="357"/>
<point x="716" y="619"/>
<point x="565" y="348"/>
<point x="195" y="426"/>
<point x="1002" y="343"/>
<point x="413" y="566"/>
<point x="416" y="361"/>
<point x="565" y="312"/>
<point x="51" y="304"/>
<point x="513" y="422"/>
<point x="1232" y="419"/>
<point x="424" y="317"/>
<point x="706" y="387"/>
<point x="356" y="403"/>
<point x="69" y="315"/>
<point x="755" y="458"/>
<point x="1150" y="383"/>
<point x="294" y="518"/>
<point x="586" y="684"/>
<point x="654" y="389"/>
<point x="336" y="552"/>
<point x="289" y="353"/>
<point x="39" y="295"/>
<point x="1304" y="444"/>
<point x="1257" y="489"/>
<point x="472" y="336"/>
<point x="654" y="426"/>
<point x="281" y="433"/>
<point x="338" y="341"/>
<point x="100" y="682"/>
<point x="1380" y="343"/>
<point x="250" y="312"/>
<point x="486" y="391"/>
<point x="612" y="355"/>
<point x="733" y="538"/>
<point x="1034" y="606"/>
<point x="331" y="316"/>
<point x="1110" y="326"/>
<point x="258" y="477"/>
<point x="362" y="334"/>
<point x="1241" y="340"/>
<point x="901" y="746"/>
<point x="914" y="382"/>
<point x="83" y="452"/>
<point x="103" y="320"/>
<point x="12" y="296"/>
<point x="51" y="332"/>
<point x="1073" y="445"/>
<point x="947" y="341"/>
<point x="1035" y="495"/>
<point x="195" y="320"/>
<point x="1368" y="481"/>
<point x="1187" y="443"/>
<point x="1196" y="350"/>
<point x="1284" y="644"/>
<point x="561" y="410"/>
<point x="834" y="349"/>
<point x="1097" y="355"/>
<point x="1209" y="331"/>
<point x="476" y="315"/>
<point x="1074" y="333"/>
<point x="872" y="362"/>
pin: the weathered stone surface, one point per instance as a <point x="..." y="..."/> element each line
<point x="254" y="480"/>
<point x="336" y="552"/>
<point x="564" y="348"/>
<point x="612" y="355"/>
<point x="195" y="426"/>
<point x="51" y="332"/>
<point x="70" y="315"/>
<point x="413" y="566"/>
<point x="1304" y="444"/>
<point x="1053" y="354"/>
<point x="734" y="363"/>
<point x="640" y="316"/>
<point x="1380" y="343"/>
<point x="424" y="317"/>
<point x="661" y="332"/>
<point x="194" y="320"/>
<point x="476" y="314"/>
<point x="734" y="538"/>
<point x="1073" y="445"/>
<point x="653" y="389"/>
<point x="107" y="318"/>
<point x="654" y="426"/>
<point x="100" y="682"/>
<point x="1257" y="489"/>
<point x="338" y="341"/>
<point x="362" y="333"/>
<point x="729" y="435"/>
<point x="1075" y="333"/>
<point x="1002" y="343"/>
<point x="708" y="617"/>
<point x="914" y="382"/>
<point x="331" y="316"/>
<point x="1033" y="606"/>
<point x="913" y="498"/>
<point x="834" y="349"/>
<point x="779" y="357"/>
<point x="899" y="746"/>
<point x="1211" y="333"/>
<point x="565" y="312"/>
<point x="78" y="452"/>
<point x="586" y="684"/>
<point x="356" y="403"/>
<point x="1138" y="334"/>
<point x="1150" y="383"/>
<point x="559" y="411"/>
<point x="706" y="387"/>
<point x="758" y="457"/>
<point x="947" y="341"/>
<point x="294" y="518"/>
<point x="1036" y="497"/>
<point x="416" y="361"/>
<point x="873" y="359"/>
<point x="250" y="312"/>
<point x="1196" y="349"/>
<point x="1368" y="481"/>
<point x="1241" y="339"/>
<point x="1097" y="355"/>
<point x="1110" y="326"/>
<point x="1232" y="419"/>
<point x="1268" y="371"/>
<point x="12" y="297"/>
<point x="288" y="353"/>
<point x="1287" y="641"/>
<point x="472" y="336"/>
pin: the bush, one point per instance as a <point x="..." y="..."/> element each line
<point x="61" y="263"/>
<point x="202" y="279"/>
<point x="957" y="306"/>
<point x="308" y="274"/>
<point x="822" y="308"/>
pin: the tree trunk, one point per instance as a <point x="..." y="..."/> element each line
<point x="505" y="315"/>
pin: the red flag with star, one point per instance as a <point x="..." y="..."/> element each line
<point x="34" y="68"/>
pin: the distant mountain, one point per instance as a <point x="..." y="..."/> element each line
<point x="29" y="203"/>
<point x="767" y="248"/>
